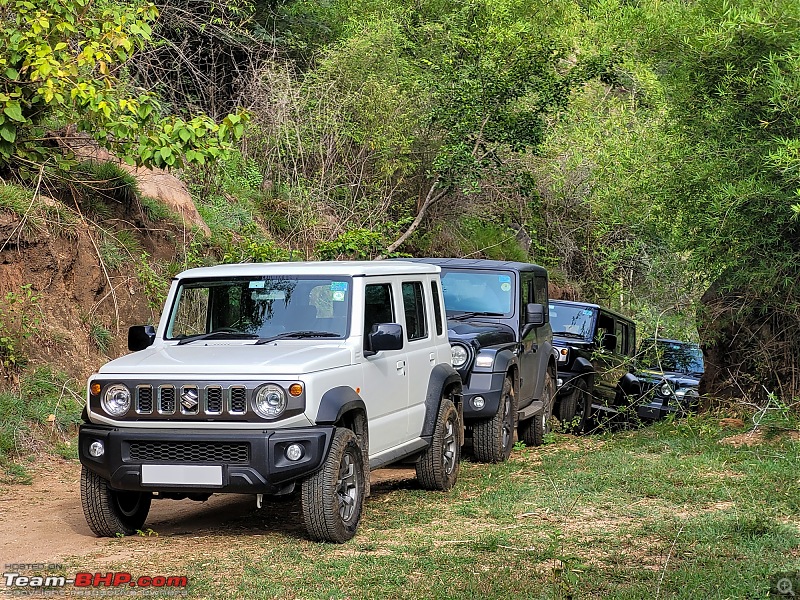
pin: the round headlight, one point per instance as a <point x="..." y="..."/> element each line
<point x="460" y="355"/>
<point x="270" y="401"/>
<point x="117" y="400"/>
<point x="665" y="389"/>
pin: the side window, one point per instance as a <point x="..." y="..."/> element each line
<point x="540" y="293"/>
<point x="437" y="307"/>
<point x="378" y="306"/>
<point x="622" y="337"/>
<point x="414" y="307"/>
<point x="605" y="324"/>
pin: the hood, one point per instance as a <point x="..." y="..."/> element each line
<point x="212" y="359"/>
<point x="572" y="342"/>
<point x="676" y="379"/>
<point x="482" y="334"/>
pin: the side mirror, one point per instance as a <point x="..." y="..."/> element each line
<point x="609" y="342"/>
<point x="534" y="314"/>
<point x="141" y="337"/>
<point x="384" y="336"/>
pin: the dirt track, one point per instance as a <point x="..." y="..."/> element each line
<point x="43" y="522"/>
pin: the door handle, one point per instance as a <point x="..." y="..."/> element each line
<point x="432" y="357"/>
<point x="401" y="366"/>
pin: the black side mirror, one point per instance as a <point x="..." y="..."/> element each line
<point x="534" y="314"/>
<point x="141" y="337"/>
<point x="384" y="336"/>
<point x="609" y="342"/>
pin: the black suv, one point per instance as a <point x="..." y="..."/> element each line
<point x="670" y="372"/>
<point x="502" y="347"/>
<point x="596" y="349"/>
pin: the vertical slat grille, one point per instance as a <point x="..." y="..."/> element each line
<point x="166" y="399"/>
<point x="214" y="400"/>
<point x="144" y="399"/>
<point x="238" y="400"/>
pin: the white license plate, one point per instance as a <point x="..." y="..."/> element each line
<point x="209" y="475"/>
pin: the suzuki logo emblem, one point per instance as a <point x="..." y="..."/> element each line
<point x="189" y="399"/>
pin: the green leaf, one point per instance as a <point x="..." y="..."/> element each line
<point x="8" y="132"/>
<point x="13" y="110"/>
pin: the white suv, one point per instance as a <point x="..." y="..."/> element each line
<point x="262" y="376"/>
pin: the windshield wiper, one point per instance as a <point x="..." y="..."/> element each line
<point x="475" y="313"/>
<point x="568" y="334"/>
<point x="237" y="335"/>
<point x="296" y="334"/>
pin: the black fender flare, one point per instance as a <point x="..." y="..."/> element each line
<point x="336" y="402"/>
<point x="504" y="361"/>
<point x="442" y="377"/>
<point x="630" y="385"/>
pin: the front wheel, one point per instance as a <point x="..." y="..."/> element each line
<point x="438" y="468"/>
<point x="109" y="512"/>
<point x="576" y="408"/>
<point x="532" y="431"/>
<point x="493" y="439"/>
<point x="333" y="497"/>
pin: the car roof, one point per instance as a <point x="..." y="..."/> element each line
<point x="596" y="306"/>
<point x="480" y="263"/>
<point x="327" y="268"/>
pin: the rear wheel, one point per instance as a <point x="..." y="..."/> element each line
<point x="575" y="409"/>
<point x="333" y="497"/>
<point x="438" y="467"/>
<point x="532" y="431"/>
<point x="493" y="439"/>
<point x="110" y="512"/>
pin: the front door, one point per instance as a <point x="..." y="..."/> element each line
<point x="386" y="375"/>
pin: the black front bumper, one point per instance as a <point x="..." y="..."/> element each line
<point x="487" y="385"/>
<point x="251" y="461"/>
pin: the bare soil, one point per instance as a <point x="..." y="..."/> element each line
<point x="44" y="523"/>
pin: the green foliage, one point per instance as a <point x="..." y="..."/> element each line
<point x="355" y="244"/>
<point x="153" y="280"/>
<point x="20" y="318"/>
<point x="46" y="405"/>
<point x="36" y="216"/>
<point x="100" y="337"/>
<point x="256" y="250"/>
<point x="61" y="63"/>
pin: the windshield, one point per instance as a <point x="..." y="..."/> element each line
<point x="572" y="321"/>
<point x="259" y="307"/>
<point x="478" y="291"/>
<point x="673" y="356"/>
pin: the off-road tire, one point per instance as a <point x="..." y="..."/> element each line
<point x="333" y="497"/>
<point x="438" y="468"/>
<point x="575" y="409"/>
<point x="109" y="512"/>
<point x="493" y="439"/>
<point x="532" y="431"/>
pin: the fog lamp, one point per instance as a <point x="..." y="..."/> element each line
<point x="294" y="452"/>
<point x="96" y="449"/>
<point x="478" y="402"/>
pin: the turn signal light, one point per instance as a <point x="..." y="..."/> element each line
<point x="95" y="389"/>
<point x="295" y="389"/>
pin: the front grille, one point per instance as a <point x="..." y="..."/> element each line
<point x="191" y="452"/>
<point x="144" y="399"/>
<point x="238" y="400"/>
<point x="166" y="399"/>
<point x="214" y="400"/>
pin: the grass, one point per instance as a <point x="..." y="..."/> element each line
<point x="669" y="511"/>
<point x="39" y="416"/>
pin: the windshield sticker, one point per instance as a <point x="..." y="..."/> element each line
<point x="339" y="286"/>
<point x="257" y="284"/>
<point x="504" y="278"/>
<point x="269" y="295"/>
<point x="587" y="311"/>
<point x="506" y="287"/>
<point x="338" y="296"/>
